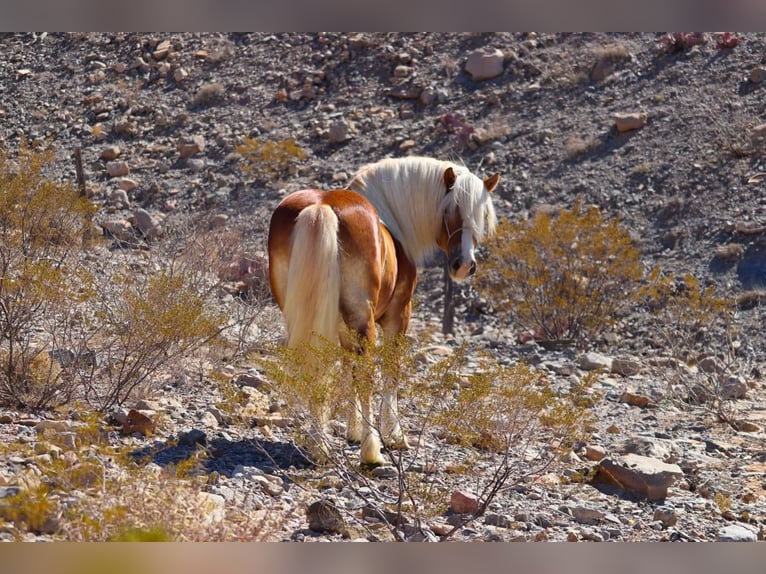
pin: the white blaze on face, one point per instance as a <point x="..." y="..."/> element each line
<point x="466" y="254"/>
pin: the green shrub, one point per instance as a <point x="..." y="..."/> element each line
<point x="564" y="277"/>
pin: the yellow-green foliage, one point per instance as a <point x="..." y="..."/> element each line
<point x="684" y="309"/>
<point x="147" y="324"/>
<point x="265" y="159"/>
<point x="153" y="534"/>
<point x="44" y="226"/>
<point x="32" y="510"/>
<point x="496" y="415"/>
<point x="562" y="277"/>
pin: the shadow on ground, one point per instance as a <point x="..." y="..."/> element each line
<point x="222" y="455"/>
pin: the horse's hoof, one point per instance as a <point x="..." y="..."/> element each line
<point x="397" y="443"/>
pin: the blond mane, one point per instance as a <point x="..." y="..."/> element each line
<point x="411" y="198"/>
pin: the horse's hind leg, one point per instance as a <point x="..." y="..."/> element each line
<point x="393" y="324"/>
<point x="361" y="423"/>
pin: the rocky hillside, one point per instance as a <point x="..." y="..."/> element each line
<point x="664" y="132"/>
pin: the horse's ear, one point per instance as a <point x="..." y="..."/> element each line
<point x="491" y="182"/>
<point x="449" y="178"/>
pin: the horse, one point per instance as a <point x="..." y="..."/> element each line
<point x="345" y="260"/>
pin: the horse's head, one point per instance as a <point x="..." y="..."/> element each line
<point x="457" y="237"/>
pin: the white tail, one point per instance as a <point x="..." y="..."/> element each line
<point x="313" y="279"/>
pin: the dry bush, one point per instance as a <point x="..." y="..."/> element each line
<point x="45" y="227"/>
<point x="208" y="95"/>
<point x="567" y="277"/>
<point x="266" y="160"/>
<point x="97" y="491"/>
<point x="576" y="147"/>
<point x="695" y="325"/>
<point x="139" y="326"/>
<point x="504" y="424"/>
<point x="608" y="58"/>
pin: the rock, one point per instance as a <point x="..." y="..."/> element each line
<point x="628" y="121"/>
<point x="737" y="533"/>
<point x="594" y="452"/>
<point x="324" y="516"/>
<point x="757" y="75"/>
<point x="111" y="152"/>
<point x="339" y="131"/>
<point x="592" y="361"/>
<point x="635" y="400"/>
<point x="162" y="50"/>
<point x="137" y="422"/>
<point x="126" y="184"/>
<point x="463" y="502"/>
<point x="639" y="475"/>
<point x="117" y="168"/>
<point x="734" y="388"/>
<point x="666" y="515"/>
<point x="189" y="147"/>
<point x="180" y="74"/>
<point x="484" y="64"/>
<point x="585" y="515"/>
<point x="213" y="508"/>
<point x="147" y="224"/>
<point x="625" y="366"/>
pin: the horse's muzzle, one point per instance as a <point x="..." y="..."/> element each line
<point x="460" y="270"/>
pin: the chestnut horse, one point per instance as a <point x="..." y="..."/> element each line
<point x="347" y="259"/>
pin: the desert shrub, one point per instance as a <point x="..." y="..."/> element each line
<point x="563" y="277"/>
<point x="208" y="94"/>
<point x="100" y="491"/>
<point x="139" y="327"/>
<point x="685" y="311"/>
<point x="694" y="325"/>
<point x="44" y="227"/>
<point x="505" y="423"/>
<point x="265" y="159"/>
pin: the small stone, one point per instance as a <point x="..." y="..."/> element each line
<point x="635" y="400"/>
<point x="324" y="516"/>
<point x="737" y="533"/>
<point x="117" y="168"/>
<point x="594" y="452"/>
<point x="593" y="361"/>
<point x="666" y="515"/>
<point x="137" y="422"/>
<point x="180" y="74"/>
<point x="484" y="64"/>
<point x="757" y="75"/>
<point x="111" y="152"/>
<point x="628" y="121"/>
<point x="463" y="502"/>
<point x="190" y="147"/>
<point x="162" y="50"/>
